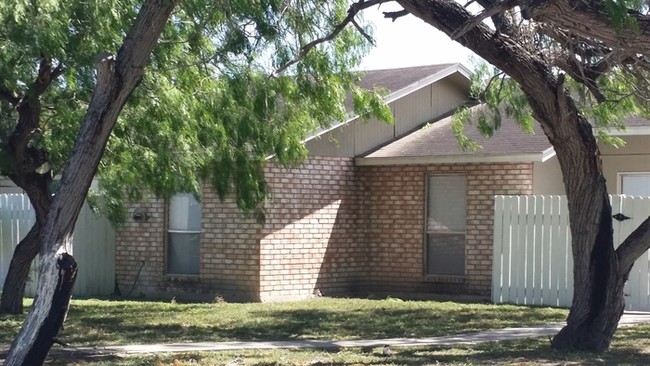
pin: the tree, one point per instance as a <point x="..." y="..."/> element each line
<point x="552" y="61"/>
<point x="224" y="90"/>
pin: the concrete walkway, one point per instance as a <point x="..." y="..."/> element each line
<point x="628" y="319"/>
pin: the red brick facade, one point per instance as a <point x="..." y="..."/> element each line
<point x="330" y="226"/>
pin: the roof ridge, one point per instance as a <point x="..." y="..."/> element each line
<point x="410" y="67"/>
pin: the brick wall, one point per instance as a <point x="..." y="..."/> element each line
<point x="229" y="263"/>
<point x="394" y="207"/>
<point x="139" y="251"/>
<point x="309" y="241"/>
<point x="330" y="226"/>
<point x="311" y="238"/>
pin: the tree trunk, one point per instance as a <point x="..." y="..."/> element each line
<point x="598" y="300"/>
<point x="37" y="351"/>
<point x="13" y="291"/>
<point x="37" y="188"/>
<point x="599" y="271"/>
<point x="117" y="77"/>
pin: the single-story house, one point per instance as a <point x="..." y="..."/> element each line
<point x="375" y="209"/>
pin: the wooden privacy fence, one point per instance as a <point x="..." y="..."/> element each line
<point x="93" y="246"/>
<point x="532" y="262"/>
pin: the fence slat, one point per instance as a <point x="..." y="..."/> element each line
<point x="497" y="250"/>
<point x="533" y="263"/>
<point x="529" y="285"/>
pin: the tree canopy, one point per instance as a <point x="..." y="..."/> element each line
<point x="223" y="90"/>
<point x="227" y="85"/>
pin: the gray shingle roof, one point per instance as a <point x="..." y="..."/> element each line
<point x="437" y="139"/>
<point x="396" y="79"/>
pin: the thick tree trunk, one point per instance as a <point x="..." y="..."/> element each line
<point x="13" y="289"/>
<point x="598" y="300"/>
<point x="599" y="270"/>
<point x="37" y="351"/>
<point x="117" y="77"/>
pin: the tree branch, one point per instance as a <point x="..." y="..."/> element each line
<point x="395" y="14"/>
<point x="354" y="9"/>
<point x="7" y="95"/>
<point x="363" y="32"/>
<point x="633" y="246"/>
<point x="590" y="19"/>
<point x="495" y="9"/>
<point x="501" y="23"/>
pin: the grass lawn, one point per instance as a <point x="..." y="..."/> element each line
<point x="630" y="347"/>
<point x="101" y="322"/>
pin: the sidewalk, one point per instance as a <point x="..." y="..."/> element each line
<point x="506" y="334"/>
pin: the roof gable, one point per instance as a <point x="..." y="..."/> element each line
<point x="400" y="83"/>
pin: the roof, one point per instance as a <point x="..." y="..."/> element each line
<point x="401" y="82"/>
<point x="436" y="143"/>
<point x="396" y="79"/>
<point x="634" y="126"/>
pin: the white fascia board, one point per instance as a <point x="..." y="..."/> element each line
<point x="428" y="81"/>
<point x="451" y="159"/>
<point x="547" y="154"/>
<point x="400" y="94"/>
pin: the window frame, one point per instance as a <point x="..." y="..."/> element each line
<point x="436" y="277"/>
<point x="619" y="179"/>
<point x="167" y="239"/>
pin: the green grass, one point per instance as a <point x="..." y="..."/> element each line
<point x="630" y="347"/>
<point x="101" y="322"/>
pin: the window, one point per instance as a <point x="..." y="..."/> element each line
<point x="445" y="225"/>
<point x="184" y="235"/>
<point x="635" y="184"/>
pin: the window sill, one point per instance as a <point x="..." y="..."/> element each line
<point x="444" y="279"/>
<point x="182" y="277"/>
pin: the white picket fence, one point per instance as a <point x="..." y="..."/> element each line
<point x="532" y="262"/>
<point x="93" y="246"/>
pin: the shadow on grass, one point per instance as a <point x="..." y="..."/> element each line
<point x="93" y="327"/>
<point x="106" y="322"/>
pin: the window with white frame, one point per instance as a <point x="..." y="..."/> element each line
<point x="184" y="235"/>
<point x="635" y="184"/>
<point x="445" y="225"/>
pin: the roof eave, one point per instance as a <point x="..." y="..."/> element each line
<point x="455" y="159"/>
<point x="630" y="131"/>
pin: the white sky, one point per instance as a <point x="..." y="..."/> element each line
<point x="409" y="41"/>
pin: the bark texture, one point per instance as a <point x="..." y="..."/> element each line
<point x="117" y="77"/>
<point x="67" y="274"/>
<point x="27" y="160"/>
<point x="592" y="20"/>
<point x="599" y="271"/>
<point x="13" y="289"/>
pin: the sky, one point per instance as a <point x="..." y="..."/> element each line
<point x="409" y="41"/>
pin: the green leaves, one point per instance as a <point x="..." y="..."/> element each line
<point x="500" y="96"/>
<point x="210" y="109"/>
